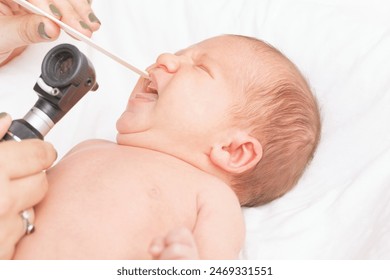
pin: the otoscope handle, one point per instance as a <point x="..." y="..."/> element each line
<point x="19" y="130"/>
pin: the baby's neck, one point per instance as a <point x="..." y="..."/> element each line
<point x="196" y="157"/>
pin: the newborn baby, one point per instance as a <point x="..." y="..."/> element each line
<point x="227" y="122"/>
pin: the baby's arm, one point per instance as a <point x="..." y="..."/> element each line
<point x="218" y="233"/>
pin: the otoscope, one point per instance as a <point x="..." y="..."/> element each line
<point x="67" y="75"/>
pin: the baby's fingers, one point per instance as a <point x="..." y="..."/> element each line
<point x="156" y="247"/>
<point x="179" y="244"/>
<point x="178" y="251"/>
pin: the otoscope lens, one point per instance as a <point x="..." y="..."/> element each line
<point x="63" y="67"/>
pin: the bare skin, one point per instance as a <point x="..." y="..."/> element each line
<point x="123" y="198"/>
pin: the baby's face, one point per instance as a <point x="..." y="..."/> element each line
<point x="188" y="99"/>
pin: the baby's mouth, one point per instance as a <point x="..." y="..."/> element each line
<point x="151" y="87"/>
<point x="149" y="91"/>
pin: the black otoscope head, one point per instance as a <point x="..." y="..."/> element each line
<point x="67" y="75"/>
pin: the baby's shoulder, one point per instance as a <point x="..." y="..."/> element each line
<point x="217" y="193"/>
<point x="90" y="144"/>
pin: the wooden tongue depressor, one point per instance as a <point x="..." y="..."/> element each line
<point x="81" y="37"/>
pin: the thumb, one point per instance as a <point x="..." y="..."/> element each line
<point x="24" y="30"/>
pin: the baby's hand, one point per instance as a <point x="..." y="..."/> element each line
<point x="179" y="244"/>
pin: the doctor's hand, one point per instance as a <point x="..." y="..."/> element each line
<point x="20" y="28"/>
<point x="22" y="185"/>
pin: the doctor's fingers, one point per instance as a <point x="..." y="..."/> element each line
<point x="18" y="195"/>
<point x="75" y="13"/>
<point x="7" y="7"/>
<point x="25" y="158"/>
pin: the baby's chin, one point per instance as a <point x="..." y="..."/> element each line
<point x="132" y="122"/>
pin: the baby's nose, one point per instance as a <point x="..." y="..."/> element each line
<point x="170" y="62"/>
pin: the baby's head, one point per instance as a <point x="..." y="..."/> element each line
<point x="283" y="115"/>
<point x="232" y="106"/>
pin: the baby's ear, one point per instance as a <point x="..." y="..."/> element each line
<point x="238" y="154"/>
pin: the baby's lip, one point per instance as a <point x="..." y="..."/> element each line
<point x="146" y="96"/>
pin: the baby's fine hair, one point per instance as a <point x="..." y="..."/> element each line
<point x="283" y="115"/>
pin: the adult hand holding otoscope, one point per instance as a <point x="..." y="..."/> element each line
<point x="22" y="182"/>
<point x="67" y="75"/>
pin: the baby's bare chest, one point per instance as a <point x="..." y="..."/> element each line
<point x="150" y="190"/>
<point x="110" y="203"/>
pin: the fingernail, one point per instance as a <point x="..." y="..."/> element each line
<point x="85" y="26"/>
<point x="42" y="32"/>
<point x="92" y="17"/>
<point x="3" y="115"/>
<point x="55" y="10"/>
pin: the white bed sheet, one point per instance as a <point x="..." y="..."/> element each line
<point x="340" y="208"/>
